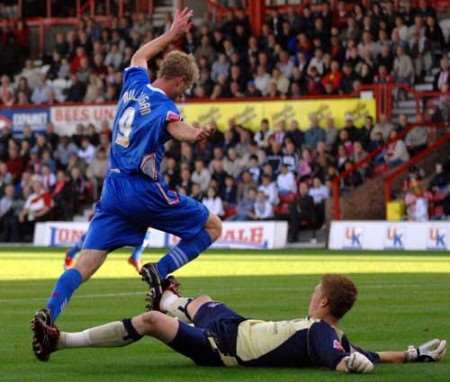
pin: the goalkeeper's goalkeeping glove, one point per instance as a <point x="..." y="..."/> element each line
<point x="358" y="363"/>
<point x="431" y="351"/>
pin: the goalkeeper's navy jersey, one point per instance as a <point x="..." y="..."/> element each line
<point x="292" y="343"/>
<point x="139" y="129"/>
<point x="295" y="343"/>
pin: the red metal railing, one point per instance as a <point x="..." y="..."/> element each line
<point x="218" y="10"/>
<point x="336" y="183"/>
<point x="83" y="8"/>
<point x="88" y="7"/>
<point x="214" y="6"/>
<point x="389" y="179"/>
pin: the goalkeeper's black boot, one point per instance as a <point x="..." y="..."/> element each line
<point x="170" y="283"/>
<point x="45" y="335"/>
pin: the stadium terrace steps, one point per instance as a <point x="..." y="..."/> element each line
<point x="424" y="87"/>
<point x="159" y="14"/>
<point x="367" y="201"/>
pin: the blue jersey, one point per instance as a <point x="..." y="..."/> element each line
<point x="130" y="203"/>
<point x="139" y="129"/>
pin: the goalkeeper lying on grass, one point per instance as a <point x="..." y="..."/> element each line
<point x="221" y="337"/>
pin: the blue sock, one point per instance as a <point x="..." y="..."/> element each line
<point x="185" y="251"/>
<point x="64" y="288"/>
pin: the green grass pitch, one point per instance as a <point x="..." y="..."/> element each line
<point x="404" y="299"/>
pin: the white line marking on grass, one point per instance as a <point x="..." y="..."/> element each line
<point x="86" y="296"/>
<point x="300" y="288"/>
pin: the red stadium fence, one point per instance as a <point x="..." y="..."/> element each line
<point x="257" y="10"/>
<point x="88" y="7"/>
<point x="389" y="179"/>
<point x="393" y="174"/>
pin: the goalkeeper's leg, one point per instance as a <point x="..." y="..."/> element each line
<point x="121" y="333"/>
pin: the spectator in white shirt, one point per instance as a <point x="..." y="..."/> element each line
<point x="201" y="175"/>
<point x="286" y="181"/>
<point x="213" y="202"/>
<point x="114" y="57"/>
<point x="396" y="152"/>
<point x="270" y="189"/>
<point x="220" y="67"/>
<point x="42" y="93"/>
<point x="317" y="61"/>
<point x="262" y="80"/>
<point x="263" y="209"/>
<point x="285" y="65"/>
<point x="319" y="191"/>
<point x="87" y="151"/>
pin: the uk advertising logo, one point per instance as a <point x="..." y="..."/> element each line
<point x="353" y="238"/>
<point x="437" y="239"/>
<point x="395" y="238"/>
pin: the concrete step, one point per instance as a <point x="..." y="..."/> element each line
<point x="407" y="112"/>
<point x="163" y="9"/>
<point x="424" y="87"/>
<point x="406" y="104"/>
<point x="159" y="14"/>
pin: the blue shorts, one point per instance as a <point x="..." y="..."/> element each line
<point x="130" y="204"/>
<point x="212" y="319"/>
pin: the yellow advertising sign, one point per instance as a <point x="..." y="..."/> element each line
<point x="249" y="114"/>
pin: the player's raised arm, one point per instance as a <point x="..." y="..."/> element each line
<point x="180" y="25"/>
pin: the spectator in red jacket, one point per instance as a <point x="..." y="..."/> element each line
<point x="37" y="207"/>
<point x="15" y="163"/>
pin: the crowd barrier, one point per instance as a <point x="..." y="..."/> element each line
<point x="382" y="235"/>
<point x="246" y="113"/>
<point x="243" y="235"/>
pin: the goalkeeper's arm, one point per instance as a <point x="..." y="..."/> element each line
<point x="180" y="26"/>
<point x="431" y="351"/>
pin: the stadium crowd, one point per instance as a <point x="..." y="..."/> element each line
<point x="281" y="171"/>
<point x="275" y="173"/>
<point x="333" y="51"/>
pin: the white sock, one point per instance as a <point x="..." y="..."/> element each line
<point x="175" y="306"/>
<point x="108" y="335"/>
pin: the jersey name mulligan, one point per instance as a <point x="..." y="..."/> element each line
<point x="139" y="128"/>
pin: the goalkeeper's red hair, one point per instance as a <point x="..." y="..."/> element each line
<point x="341" y="293"/>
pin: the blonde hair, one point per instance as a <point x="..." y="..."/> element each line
<point x="179" y="64"/>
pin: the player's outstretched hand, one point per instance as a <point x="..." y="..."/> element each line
<point x="431" y="351"/>
<point x="182" y="22"/>
<point x="205" y="133"/>
<point x="358" y="363"/>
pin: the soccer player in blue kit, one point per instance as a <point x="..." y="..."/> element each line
<point x="221" y="337"/>
<point x="134" y="195"/>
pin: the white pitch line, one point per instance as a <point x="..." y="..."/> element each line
<point x="86" y="296"/>
<point x="307" y="289"/>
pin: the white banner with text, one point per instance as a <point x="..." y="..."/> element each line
<point x="251" y="235"/>
<point x="66" y="118"/>
<point x="383" y="235"/>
